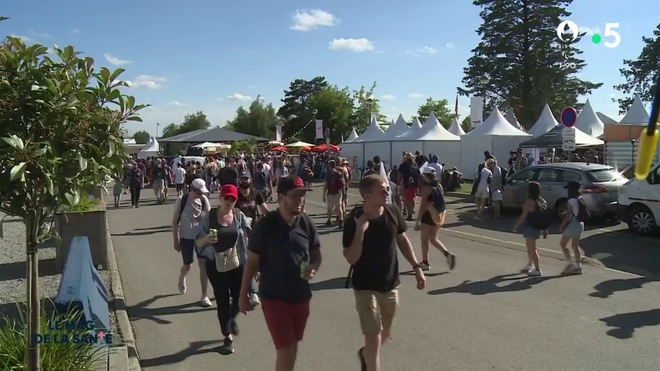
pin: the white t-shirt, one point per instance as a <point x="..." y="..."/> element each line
<point x="179" y="175"/>
<point x="485" y="174"/>
<point x="437" y="167"/>
<point x="574" y="205"/>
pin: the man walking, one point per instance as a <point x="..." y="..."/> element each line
<point x="335" y="182"/>
<point x="284" y="249"/>
<point x="371" y="235"/>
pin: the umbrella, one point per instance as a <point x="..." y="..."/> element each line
<point x="212" y="145"/>
<point x="323" y="148"/>
<point x="300" y="144"/>
<point x="306" y="149"/>
<point x="279" y="149"/>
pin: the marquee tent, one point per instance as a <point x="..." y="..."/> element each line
<point x="512" y="119"/>
<point x="496" y="135"/>
<point x="553" y="139"/>
<point x="544" y="124"/>
<point x="456" y="128"/>
<point x="606" y="119"/>
<point x="352" y="136"/>
<point x="588" y="122"/>
<point x="367" y="145"/>
<point x="637" y="114"/>
<point x="407" y="142"/>
<point x="299" y="144"/>
<point x="151" y="149"/>
<point x="399" y="128"/>
<point x="437" y="140"/>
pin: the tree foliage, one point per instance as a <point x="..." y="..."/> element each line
<point x="191" y="122"/>
<point x="641" y="73"/>
<point x="441" y="109"/>
<point x="141" y="137"/>
<point x="335" y="107"/>
<point x="259" y="119"/>
<point x="466" y="124"/>
<point x="520" y="55"/>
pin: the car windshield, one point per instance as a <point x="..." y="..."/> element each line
<point x="604" y="175"/>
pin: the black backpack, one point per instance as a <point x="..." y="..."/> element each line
<point x="583" y="212"/>
<point x="184" y="200"/>
<point x="541" y="217"/>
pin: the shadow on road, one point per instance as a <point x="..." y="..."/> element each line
<point x="168" y="227"/>
<point x="140" y="311"/>
<point x="14" y="271"/>
<point x="195" y="348"/>
<point x="607" y="288"/>
<point x="144" y="231"/>
<point x="331" y="284"/>
<point x="623" y="252"/>
<point x="625" y="324"/>
<point x="490" y="286"/>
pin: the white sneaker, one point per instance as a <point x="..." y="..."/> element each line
<point x="535" y="273"/>
<point x="182" y="284"/>
<point x="527" y="268"/>
<point x="205" y="302"/>
<point x="572" y="269"/>
<point x="254" y="300"/>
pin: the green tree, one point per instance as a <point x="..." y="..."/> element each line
<point x="60" y="125"/>
<point x="641" y="73"/>
<point x="364" y="105"/>
<point x="248" y="145"/>
<point x="335" y="107"/>
<point x="518" y="62"/>
<point x="259" y="119"/>
<point x="295" y="112"/>
<point x="466" y="124"/>
<point x="441" y="109"/>
<point x="141" y="136"/>
<point x="191" y="122"/>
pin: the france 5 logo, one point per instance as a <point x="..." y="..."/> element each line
<point x="568" y="31"/>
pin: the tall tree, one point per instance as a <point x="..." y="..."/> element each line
<point x="141" y="136"/>
<point x="520" y="62"/>
<point x="295" y="112"/>
<point x="259" y="119"/>
<point x="441" y="109"/>
<point x="191" y="122"/>
<point x="641" y="73"/>
<point x="365" y="104"/>
<point x="335" y="107"/>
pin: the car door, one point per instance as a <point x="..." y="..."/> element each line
<point x="515" y="191"/>
<point x="552" y="186"/>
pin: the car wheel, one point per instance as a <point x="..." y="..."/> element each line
<point x="560" y="208"/>
<point x="641" y="221"/>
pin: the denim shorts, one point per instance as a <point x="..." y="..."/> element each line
<point x="574" y="229"/>
<point x="188" y="250"/>
<point x="531" y="232"/>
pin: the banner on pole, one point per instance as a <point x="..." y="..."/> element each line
<point x="319" y="129"/>
<point x="278" y="133"/>
<point x="476" y="111"/>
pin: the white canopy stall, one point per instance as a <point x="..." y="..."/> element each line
<point x="588" y="122"/>
<point x="407" y="142"/>
<point x="544" y="124"/>
<point x="456" y="128"/>
<point x="496" y="135"/>
<point x="352" y="136"/>
<point x="512" y="119"/>
<point x="151" y="149"/>
<point x="637" y="114"/>
<point x="397" y="137"/>
<point x="367" y="145"/>
<point x="437" y="140"/>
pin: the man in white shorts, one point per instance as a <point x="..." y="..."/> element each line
<point x="481" y="196"/>
<point x="496" y="187"/>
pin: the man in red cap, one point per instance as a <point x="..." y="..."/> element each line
<point x="284" y="247"/>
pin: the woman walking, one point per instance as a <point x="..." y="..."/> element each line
<point x="431" y="217"/>
<point x="534" y="225"/>
<point x="572" y="227"/>
<point x="222" y="240"/>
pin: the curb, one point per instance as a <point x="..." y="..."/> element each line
<point x="119" y="306"/>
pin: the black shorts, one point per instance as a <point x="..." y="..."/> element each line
<point x="179" y="187"/>
<point x="427" y="219"/>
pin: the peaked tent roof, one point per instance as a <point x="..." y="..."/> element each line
<point x="588" y="122"/>
<point x="456" y="128"/>
<point x="413" y="132"/>
<point x="433" y="130"/>
<point x="637" y="114"/>
<point x="214" y="135"/>
<point x="400" y="127"/>
<point x="607" y="120"/>
<point x="553" y="139"/>
<point x="373" y="133"/>
<point x="152" y="146"/>
<point x="496" y="124"/>
<point x="352" y="136"/>
<point x="510" y="116"/>
<point x="544" y="124"/>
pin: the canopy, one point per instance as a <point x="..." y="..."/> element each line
<point x="206" y="145"/>
<point x="400" y="127"/>
<point x="151" y="149"/>
<point x="456" y="127"/>
<point x="637" y="114"/>
<point x="300" y="144"/>
<point x="553" y="139"/>
<point x="588" y="122"/>
<point x="373" y="133"/>
<point x="323" y="148"/>
<point x="544" y="124"/>
<point x="512" y="119"/>
<point x="211" y="135"/>
<point x="279" y="149"/>
<point x="352" y="136"/>
<point x="606" y="119"/>
<point x="275" y="143"/>
<point x="496" y="125"/>
<point x="433" y="130"/>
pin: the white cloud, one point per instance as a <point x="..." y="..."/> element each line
<point x="388" y="96"/>
<point x="427" y="50"/>
<point x="39" y="35"/>
<point x="177" y="104"/>
<point x="24" y="38"/>
<point x="307" y="20"/>
<point x="590" y="30"/>
<point x="356" y="45"/>
<point x="416" y="95"/>
<point x="116" y="61"/>
<point x="239" y="97"/>
<point x="449" y="46"/>
<point x="147" y="82"/>
<point x="74" y="30"/>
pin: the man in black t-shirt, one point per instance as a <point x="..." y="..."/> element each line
<point x="228" y="175"/>
<point x="250" y="202"/>
<point x="371" y="235"/>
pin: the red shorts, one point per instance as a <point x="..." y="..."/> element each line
<point x="410" y="193"/>
<point x="286" y="322"/>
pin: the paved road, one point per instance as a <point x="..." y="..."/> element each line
<point x="481" y="316"/>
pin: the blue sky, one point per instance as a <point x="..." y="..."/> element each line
<point x="216" y="55"/>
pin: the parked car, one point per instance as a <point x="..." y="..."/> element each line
<point x="639" y="203"/>
<point x="600" y="186"/>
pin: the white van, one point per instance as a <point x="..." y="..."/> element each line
<point x="639" y="203"/>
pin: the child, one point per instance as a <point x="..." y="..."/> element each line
<point x="118" y="187"/>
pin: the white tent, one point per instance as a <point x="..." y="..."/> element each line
<point x="407" y="141"/>
<point x="544" y="124"/>
<point x="588" y="122"/>
<point x="367" y="145"/>
<point x="553" y="139"/>
<point x="299" y="144"/>
<point x="351" y="137"/>
<point x="512" y="119"/>
<point x="496" y="135"/>
<point x="399" y="128"/>
<point x="151" y="149"/>
<point x="437" y="140"/>
<point x="456" y="128"/>
<point x="637" y="114"/>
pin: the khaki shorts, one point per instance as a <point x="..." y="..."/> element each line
<point x="376" y="309"/>
<point x="159" y="186"/>
<point x="334" y="200"/>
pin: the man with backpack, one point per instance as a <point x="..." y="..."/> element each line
<point x="335" y="183"/>
<point x="371" y="234"/>
<point x="159" y="174"/>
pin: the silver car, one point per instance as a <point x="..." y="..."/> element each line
<point x="600" y="186"/>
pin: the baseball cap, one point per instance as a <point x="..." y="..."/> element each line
<point x="291" y="183"/>
<point x="229" y="190"/>
<point x="573" y="184"/>
<point x="428" y="170"/>
<point x="243" y="174"/>
<point x="199" y="185"/>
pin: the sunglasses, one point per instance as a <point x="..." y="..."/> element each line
<point x="229" y="198"/>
